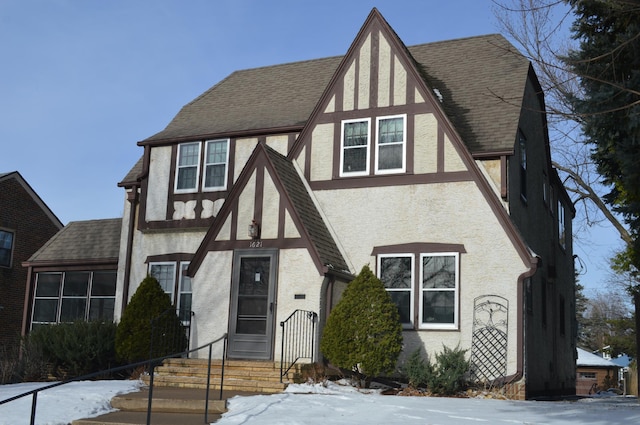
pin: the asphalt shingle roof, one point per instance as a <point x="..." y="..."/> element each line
<point x="82" y="241"/>
<point x="482" y="80"/>
<point x="311" y="219"/>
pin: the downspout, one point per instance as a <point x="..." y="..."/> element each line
<point x="322" y="314"/>
<point x="522" y="316"/>
<point x="28" y="296"/>
<point x="132" y="197"/>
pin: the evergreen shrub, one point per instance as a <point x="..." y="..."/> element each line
<point x="448" y="375"/>
<point x="417" y="369"/>
<point x="74" y="349"/>
<point x="363" y="333"/>
<point x="133" y="335"/>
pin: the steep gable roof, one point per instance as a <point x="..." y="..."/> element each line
<point x="88" y="241"/>
<point x="481" y="80"/>
<point x="297" y="198"/>
<point x="36" y="198"/>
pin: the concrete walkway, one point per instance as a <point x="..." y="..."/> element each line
<point x="170" y="406"/>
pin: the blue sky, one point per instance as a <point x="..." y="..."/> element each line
<point x="82" y="81"/>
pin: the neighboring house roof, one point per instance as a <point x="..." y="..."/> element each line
<point x="82" y="241"/>
<point x="37" y="199"/>
<point x="481" y="80"/>
<point x="622" y="360"/>
<point x="587" y="359"/>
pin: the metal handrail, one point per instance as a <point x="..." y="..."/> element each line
<point x="150" y="362"/>
<point x="298" y="339"/>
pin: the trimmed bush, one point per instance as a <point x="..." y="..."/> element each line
<point x="449" y="371"/>
<point x="363" y="333"/>
<point x="133" y="335"/>
<point x="417" y="370"/>
<point x="74" y="349"/>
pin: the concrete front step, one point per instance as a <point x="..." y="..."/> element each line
<point x="169" y="406"/>
<point x="239" y="375"/>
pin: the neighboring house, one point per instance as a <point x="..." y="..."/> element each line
<point x="270" y="191"/>
<point x="595" y="373"/>
<point x="26" y="223"/>
<point x="73" y="276"/>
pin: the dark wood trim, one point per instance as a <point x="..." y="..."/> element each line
<point x="74" y="265"/>
<point x="418" y="248"/>
<point x="165" y="258"/>
<point x="440" y="160"/>
<point x="380" y="180"/>
<point x="373" y="69"/>
<point x="339" y="116"/>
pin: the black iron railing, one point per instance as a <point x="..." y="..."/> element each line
<point x="298" y="339"/>
<point x="150" y="363"/>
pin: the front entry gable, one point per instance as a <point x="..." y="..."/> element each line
<point x="270" y="207"/>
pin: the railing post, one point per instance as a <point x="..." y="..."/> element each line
<point x="34" y="403"/>
<point x="206" y="400"/>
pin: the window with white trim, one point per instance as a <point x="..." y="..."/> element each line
<point x="174" y="281"/>
<point x="6" y="248"/>
<point x="427" y="298"/>
<point x="189" y="163"/>
<point x="390" y="144"/>
<point x="185" y="293"/>
<point x="215" y="164"/>
<point x="439" y="290"/>
<point x="396" y="272"/>
<point x="74" y="295"/>
<point x="355" y="147"/>
<point x="188" y="168"/>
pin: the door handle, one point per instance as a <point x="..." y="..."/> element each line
<point x="272" y="307"/>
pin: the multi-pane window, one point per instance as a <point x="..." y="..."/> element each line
<point x="165" y="273"/>
<point x="188" y="166"/>
<point x="562" y="230"/>
<point x="215" y="164"/>
<point x="432" y="289"/>
<point x="523" y="165"/>
<point x="190" y="178"/>
<point x="390" y="144"/>
<point x="439" y="290"/>
<point x="185" y="293"/>
<point x="396" y="272"/>
<point x="78" y="295"/>
<point x="6" y="248"/>
<point x="355" y="147"/>
<point x="177" y="285"/>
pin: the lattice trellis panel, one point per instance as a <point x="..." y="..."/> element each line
<point x="490" y="338"/>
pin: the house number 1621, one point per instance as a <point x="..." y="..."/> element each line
<point x="255" y="244"/>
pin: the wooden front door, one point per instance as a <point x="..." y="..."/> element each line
<point x="253" y="304"/>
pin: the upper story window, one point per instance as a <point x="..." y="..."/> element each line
<point x="6" y="248"/>
<point x="523" y="165"/>
<point x="75" y="295"/>
<point x="391" y="145"/>
<point x="189" y="164"/>
<point x="562" y="229"/>
<point x="355" y="147"/>
<point x="433" y="289"/>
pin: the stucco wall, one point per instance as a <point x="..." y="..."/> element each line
<point x="451" y="213"/>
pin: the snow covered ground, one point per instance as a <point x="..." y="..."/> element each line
<point x="331" y="403"/>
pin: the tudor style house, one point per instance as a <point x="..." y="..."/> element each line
<point x="270" y="191"/>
